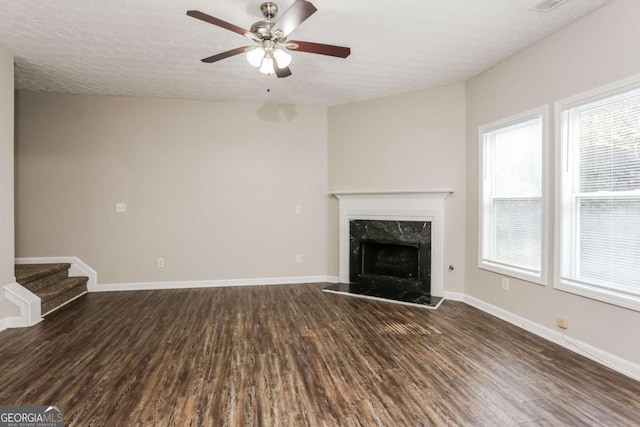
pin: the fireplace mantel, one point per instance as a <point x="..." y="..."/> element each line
<point x="403" y="205"/>
<point x="399" y="194"/>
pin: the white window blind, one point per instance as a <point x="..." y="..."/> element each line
<point x="511" y="214"/>
<point x="600" y="207"/>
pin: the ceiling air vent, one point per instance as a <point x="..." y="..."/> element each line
<point x="547" y="5"/>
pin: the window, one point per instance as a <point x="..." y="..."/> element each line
<point x="599" y="209"/>
<point x="512" y="196"/>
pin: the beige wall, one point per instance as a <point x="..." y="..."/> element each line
<point x="7" y="309"/>
<point x="599" y="49"/>
<point x="405" y="142"/>
<point x="211" y="187"/>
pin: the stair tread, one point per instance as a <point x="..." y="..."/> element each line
<point x="53" y="291"/>
<point x="26" y="273"/>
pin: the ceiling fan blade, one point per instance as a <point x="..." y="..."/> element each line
<point x="282" y="72"/>
<point x="227" y="54"/>
<point x="319" y="48"/>
<point x="220" y="23"/>
<point x="294" y="16"/>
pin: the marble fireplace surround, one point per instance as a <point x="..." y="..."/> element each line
<point x="410" y="205"/>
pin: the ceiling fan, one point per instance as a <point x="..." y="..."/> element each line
<point x="270" y="37"/>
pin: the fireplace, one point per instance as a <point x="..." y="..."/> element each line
<point x="393" y="256"/>
<point x="391" y="246"/>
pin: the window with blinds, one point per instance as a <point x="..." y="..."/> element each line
<point x="512" y="202"/>
<point x="600" y="200"/>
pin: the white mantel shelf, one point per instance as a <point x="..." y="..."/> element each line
<point x="436" y="194"/>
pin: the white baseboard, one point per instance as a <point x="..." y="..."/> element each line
<point x="598" y="355"/>
<point x="17" y="322"/>
<point x="192" y="284"/>
<point x="27" y="302"/>
<point x="78" y="267"/>
<point x="454" y="296"/>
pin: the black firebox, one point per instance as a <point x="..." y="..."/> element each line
<point x="393" y="256"/>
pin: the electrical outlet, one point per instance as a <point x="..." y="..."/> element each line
<point x="562" y="322"/>
<point x="121" y="207"/>
<point x="298" y="209"/>
<point x="505" y="284"/>
<point x="160" y="262"/>
<point x="298" y="259"/>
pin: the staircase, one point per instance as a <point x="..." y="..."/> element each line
<point x="51" y="282"/>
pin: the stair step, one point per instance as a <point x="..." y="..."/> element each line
<point x="38" y="285"/>
<point x="63" y="291"/>
<point x="51" y="282"/>
<point x="27" y="273"/>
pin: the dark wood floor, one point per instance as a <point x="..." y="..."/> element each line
<point x="292" y="355"/>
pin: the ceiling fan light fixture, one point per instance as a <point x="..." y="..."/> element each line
<point x="267" y="65"/>
<point x="271" y="38"/>
<point x="255" y="56"/>
<point x="283" y="59"/>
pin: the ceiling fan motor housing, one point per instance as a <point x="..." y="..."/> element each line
<point x="262" y="29"/>
<point x="269" y="10"/>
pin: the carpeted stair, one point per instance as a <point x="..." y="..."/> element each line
<point x="51" y="282"/>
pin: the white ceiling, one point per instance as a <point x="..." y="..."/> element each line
<point x="151" y="48"/>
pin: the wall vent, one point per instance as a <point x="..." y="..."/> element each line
<point x="547" y="5"/>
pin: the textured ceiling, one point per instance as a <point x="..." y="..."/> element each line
<point x="151" y="48"/>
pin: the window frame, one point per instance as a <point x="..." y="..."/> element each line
<point x="508" y="270"/>
<point x="599" y="293"/>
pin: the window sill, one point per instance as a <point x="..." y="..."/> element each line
<point x="599" y="294"/>
<point x="514" y="272"/>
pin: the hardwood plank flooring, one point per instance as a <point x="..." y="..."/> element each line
<point x="292" y="355"/>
